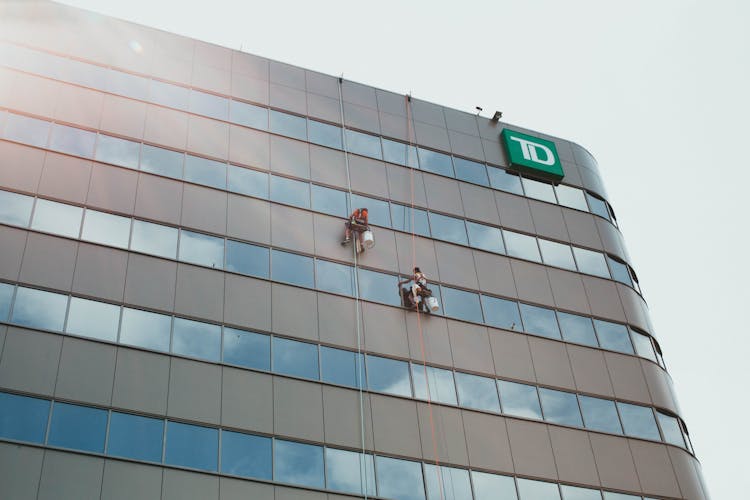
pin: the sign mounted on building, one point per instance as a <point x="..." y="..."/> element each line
<point x="533" y="156"/>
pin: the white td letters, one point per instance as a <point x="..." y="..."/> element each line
<point x="529" y="150"/>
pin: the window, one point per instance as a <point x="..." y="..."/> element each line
<point x="363" y="144"/>
<point x="577" y="329"/>
<point x="325" y="134"/>
<point x="329" y="201"/>
<point x="127" y="84"/>
<point x="477" y="392"/>
<point x="571" y="197"/>
<point x="248" y="349"/>
<point x="504" y="181"/>
<point x="207" y="172"/>
<point x="169" y="95"/>
<point x="501" y="313"/>
<point x="15" y="209"/>
<point x="336" y="278"/>
<point x="247" y="259"/>
<point x="202" y="249"/>
<point x="57" y="218"/>
<point x="6" y="297"/>
<point x="471" y="171"/>
<point x="133" y="436"/>
<point x="619" y="271"/>
<point x="388" y="375"/>
<point x="609" y="495"/>
<point x="557" y="254"/>
<point x="154" y="239"/>
<point x="162" y="161"/>
<point x="600" y="414"/>
<point x="211" y="105"/>
<point x="117" y="151"/>
<point x="106" y="229"/>
<point x="400" y="153"/>
<point x="461" y="305"/>
<point x="643" y="347"/>
<point x="72" y="141"/>
<point x="448" y="228"/>
<point x="23" y="418"/>
<point x="145" y="329"/>
<point x="350" y="472"/>
<point x="378" y="287"/>
<point x="38" y="309"/>
<point x="591" y="262"/>
<point x="27" y="130"/>
<point x="539" y="190"/>
<point x="560" y="407"/>
<point x="493" y="486"/>
<point x="298" y="359"/>
<point x="246" y="455"/>
<point x="292" y="268"/>
<point x="249" y="182"/>
<point x="399" y="479"/>
<point x="670" y="428"/>
<point x="85" y="74"/>
<point x="93" y="319"/>
<point x="521" y="246"/>
<point x="440" y="383"/>
<point x="289" y="191"/>
<point x="485" y="237"/>
<point x="520" y="400"/>
<point x="196" y="339"/>
<point x="298" y="463"/>
<point x="378" y="211"/>
<point x="248" y="115"/>
<point x="455" y="483"/>
<point x="432" y="161"/>
<point x="192" y="446"/>
<point x="338" y="366"/>
<point x="410" y="220"/>
<point x="540" y="321"/>
<point x="638" y="421"/>
<point x="288" y="125"/>
<point x="598" y="206"/>
<point x="613" y="336"/>
<point x="77" y="427"/>
<point x="537" y="490"/>
<point x="576" y="493"/>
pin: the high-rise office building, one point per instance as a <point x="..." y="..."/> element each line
<point x="178" y="318"/>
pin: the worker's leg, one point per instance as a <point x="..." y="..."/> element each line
<point x="347" y="235"/>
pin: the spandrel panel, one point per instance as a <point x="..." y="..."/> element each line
<point x="501" y="313"/>
<point x="338" y="366"/>
<point x="192" y="446"/>
<point x="350" y="472"/>
<point x="485" y="237"/>
<point x="136" y="437"/>
<point x="27" y="130"/>
<point x="557" y="254"/>
<point x="246" y="455"/>
<point x="578" y="329"/>
<point x="248" y="115"/>
<point x="477" y="392"/>
<point x="288" y="125"/>
<point x="196" y="339"/>
<point x="248" y="349"/>
<point x="521" y="246"/>
<point x="399" y="479"/>
<point x="145" y="329"/>
<point x="442" y="388"/>
<point x="23" y="418"/>
<point x="57" y="218"/>
<point x="388" y="375"/>
<point x="455" y="483"/>
<point x="299" y="359"/>
<point x="333" y="277"/>
<point x="471" y="171"/>
<point x="298" y="463"/>
<point x="107" y="229"/>
<point x="560" y="407"/>
<point x="249" y="182"/>
<point x="77" y="427"/>
<point x="202" y="249"/>
<point x="15" y="209"/>
<point x="89" y="318"/>
<point x="39" y="309"/>
<point x="292" y="268"/>
<point x="206" y="172"/>
<point x="540" y="321"/>
<point x="154" y="239"/>
<point x="520" y="400"/>
<point x="638" y="421"/>
<point x="493" y="486"/>
<point x="117" y="151"/>
<point x="162" y="161"/>
<point x="503" y="181"/>
<point x="72" y="141"/>
<point x="250" y="260"/>
<point x="600" y="414"/>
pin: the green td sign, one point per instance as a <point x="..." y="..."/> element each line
<point x="532" y="155"/>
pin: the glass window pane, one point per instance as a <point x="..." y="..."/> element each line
<point x="78" y="427"/>
<point x="207" y="172"/>
<point x="462" y="305"/>
<point x="455" y="483"/>
<point x="619" y="271"/>
<point x="378" y="210"/>
<point x="399" y="479"/>
<point x="471" y="171"/>
<point x="643" y="347"/>
<point x="57" y="218"/>
<point x="249" y="182"/>
<point x="485" y="237"/>
<point x="448" y="228"/>
<point x="299" y="359"/>
<point x="432" y="161"/>
<point x="133" y="436"/>
<point x="38" y="309"/>
<point x="410" y="220"/>
<point x="211" y="105"/>
<point x="127" y="84"/>
<point x="172" y="96"/>
<point x="560" y="407"/>
<point x="85" y="74"/>
<point x="440" y="381"/>
<point x="246" y="455"/>
<point x="378" y="287"/>
<point x="27" y="130"/>
<point x="670" y="429"/>
<point x="609" y="495"/>
<point x="540" y="321"/>
<point x="203" y="249"/>
<point x="350" y="472"/>
<point x="324" y="134"/>
<point x="292" y="268"/>
<point x="117" y="151"/>
<point x="577" y="329"/>
<point x="93" y="319"/>
<point x="477" y="392"/>
<point x="197" y="339"/>
<point x="597" y="206"/>
<point x="571" y="197"/>
<point x="248" y="115"/>
<point x="289" y="191"/>
<point x="329" y="201"/>
<point x="244" y="258"/>
<point x="6" y="297"/>
<point x="288" y="125"/>
<point x="340" y="367"/>
<point x="23" y="418"/>
<point x="493" y="486"/>
<point x="520" y="400"/>
<point x="71" y="140"/>
<point x="249" y="349"/>
<point x="15" y="209"/>
<point x="400" y="153"/>
<point x="336" y="278"/>
<point x="575" y="493"/>
<point x="192" y="446"/>
<point x="106" y="229"/>
<point x="638" y="421"/>
<point x="557" y="254"/>
<point x="145" y="329"/>
<point x="539" y="190"/>
<point x="537" y="490"/>
<point x="162" y="161"/>
<point x="600" y="414"/>
<point x="613" y="336"/>
<point x="298" y="463"/>
<point x="363" y="144"/>
<point x="154" y="239"/>
<point x="590" y="262"/>
<point x="501" y="313"/>
<point x="521" y="246"/>
<point x="504" y="181"/>
<point x="388" y="375"/>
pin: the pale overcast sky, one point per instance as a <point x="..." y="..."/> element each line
<point x="656" y="90"/>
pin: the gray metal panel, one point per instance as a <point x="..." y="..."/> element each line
<point x="181" y="485"/>
<point x="200" y="293"/>
<point x="573" y="455"/>
<point x="141" y="381"/>
<point x="112" y="188"/>
<point x="294" y="311"/>
<point x="100" y="272"/>
<point x="204" y="209"/>
<point x="247" y="400"/>
<point x="487" y="442"/>
<point x="67" y="476"/>
<point x="127" y="480"/>
<point x="86" y="371"/>
<point x="551" y="363"/>
<point x="298" y="409"/>
<point x="194" y="391"/>
<point x="614" y="462"/>
<point x="22" y="166"/>
<point x="290" y="157"/>
<point x="531" y="448"/>
<point x="30" y="361"/>
<point x="20" y="468"/>
<point x="49" y="261"/>
<point x="65" y="178"/>
<point x="13" y="244"/>
<point x="150" y="282"/>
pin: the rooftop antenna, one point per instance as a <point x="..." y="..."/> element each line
<point x="479" y="110"/>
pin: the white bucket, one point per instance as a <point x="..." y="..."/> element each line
<point x="432" y="303"/>
<point x="368" y="239"/>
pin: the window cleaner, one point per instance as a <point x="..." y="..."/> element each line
<point x="418" y="296"/>
<point x="358" y="224"/>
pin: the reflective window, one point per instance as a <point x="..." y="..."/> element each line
<point x="471" y="171"/>
<point x="432" y="161"/>
<point x="609" y="495"/>
<point x="297" y="463"/>
<point x="560" y="407"/>
<point x="71" y="140"/>
<point x="127" y="84"/>
<point x="329" y="201"/>
<point x="249" y="182"/>
<point x="23" y="418"/>
<point x="520" y="400"/>
<point x="6" y="297"/>
<point x="576" y="493"/>
<point x="162" y="161"/>
<point x="93" y="319"/>
<point x="485" y="237"/>
<point x="350" y="472"/>
<point x="106" y="229"/>
<point x="400" y="153"/>
<point x="117" y="151"/>
<point x="571" y="197"/>
<point x="410" y="220"/>
<point x="613" y="336"/>
<point x="638" y="421"/>
<point x="598" y="206"/>
<point x="248" y="115"/>
<point x="379" y="212"/>
<point x="133" y="436"/>
<point x="332" y="277"/>
<point x="501" y="313"/>
<point x="244" y="258"/>
<point x="166" y="94"/>
<point x="504" y="181"/>
<point x="203" y="249"/>
<point x="399" y="479"/>
<point x="493" y="486"/>
<point x="455" y="483"/>
<point x="211" y="105"/>
<point x="577" y="329"/>
<point x="15" y="209"/>
<point x="38" y="309"/>
<point x="340" y="367"/>
<point x="600" y="414"/>
<point x="324" y="134"/>
<point x="477" y="392"/>
<point x="537" y="490"/>
<point x="461" y="305"/>
<point x="288" y="125"/>
<point x="246" y="455"/>
<point x="590" y="262"/>
<point x="197" y="339"/>
<point x="619" y="271"/>
<point x="289" y="191"/>
<point x="27" y="130"/>
<point x="363" y="144"/>
<point x="539" y="190"/>
<point x="207" y="172"/>
<point x="448" y="228"/>
<point x="292" y="268"/>
<point x="378" y="287"/>
<point x="57" y="218"/>
<point x="521" y="246"/>
<point x="643" y="347"/>
<point x="388" y="375"/>
<point x="192" y="446"/>
<point x="670" y="428"/>
<point x="249" y="349"/>
<point x="85" y="74"/>
<point x="145" y="329"/>
<point x="299" y="359"/>
<point x="77" y="427"/>
<point x="540" y="321"/>
<point x="557" y="254"/>
<point x="154" y="239"/>
<point x="440" y="382"/>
